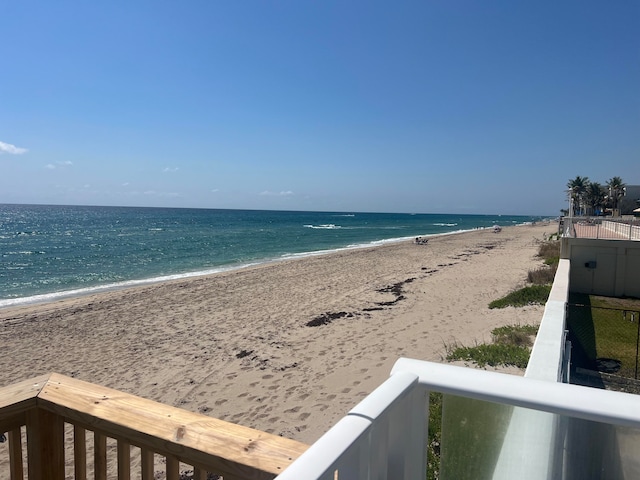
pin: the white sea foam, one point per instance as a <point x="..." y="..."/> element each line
<point x="327" y="226"/>
<point x="80" y="292"/>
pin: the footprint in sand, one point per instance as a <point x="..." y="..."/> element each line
<point x="304" y="416"/>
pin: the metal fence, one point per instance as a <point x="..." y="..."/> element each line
<point x="601" y="227"/>
<point x="605" y="339"/>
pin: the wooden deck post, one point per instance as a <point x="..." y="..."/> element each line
<point x="15" y="455"/>
<point x="45" y="445"/>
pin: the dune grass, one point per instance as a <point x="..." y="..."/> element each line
<point x="511" y="347"/>
<point x="529" y="295"/>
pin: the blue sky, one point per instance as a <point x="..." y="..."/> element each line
<point x="412" y="106"/>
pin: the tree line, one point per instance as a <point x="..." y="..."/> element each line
<point x="592" y="198"/>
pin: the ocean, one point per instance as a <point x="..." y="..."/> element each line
<point x="49" y="252"/>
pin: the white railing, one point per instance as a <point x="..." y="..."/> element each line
<point x="382" y="437"/>
<point x="599" y="228"/>
<point x="363" y="445"/>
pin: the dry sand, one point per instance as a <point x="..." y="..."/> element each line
<point x="236" y="345"/>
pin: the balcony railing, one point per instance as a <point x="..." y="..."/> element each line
<point x="592" y="433"/>
<point x="601" y="228"/>
<point x="48" y="418"/>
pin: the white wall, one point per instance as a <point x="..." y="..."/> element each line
<point x="617" y="266"/>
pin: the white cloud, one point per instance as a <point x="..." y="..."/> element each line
<point x="52" y="166"/>
<point x="12" y="149"/>
<point x="155" y="193"/>
<point x="215" y="190"/>
<point x="170" y="169"/>
<point x="277" y="194"/>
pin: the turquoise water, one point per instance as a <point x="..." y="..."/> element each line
<point x="47" y="252"/>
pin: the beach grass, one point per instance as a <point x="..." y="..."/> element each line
<point x="511" y="347"/>
<point x="494" y="355"/>
<point x="529" y="295"/>
<point x="549" y="251"/>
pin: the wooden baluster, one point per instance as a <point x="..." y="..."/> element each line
<point x="124" y="460"/>
<point x="173" y="468"/>
<point x="16" y="470"/>
<point x="45" y="445"/>
<point x="80" y="452"/>
<point x="146" y="457"/>
<point x="100" y="456"/>
<point x="199" y="474"/>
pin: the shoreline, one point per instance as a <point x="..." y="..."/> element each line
<point x="44" y="298"/>
<point x="238" y="345"/>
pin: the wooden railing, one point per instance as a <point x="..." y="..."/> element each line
<point x="47" y="420"/>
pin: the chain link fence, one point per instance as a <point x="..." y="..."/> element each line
<point x="604" y="339"/>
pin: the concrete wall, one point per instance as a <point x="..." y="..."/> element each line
<point x="603" y="267"/>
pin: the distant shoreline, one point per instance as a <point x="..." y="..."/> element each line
<point x="97" y="289"/>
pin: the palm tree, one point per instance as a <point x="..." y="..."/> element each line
<point x="595" y="197"/>
<point x="616" y="192"/>
<point x="577" y="189"/>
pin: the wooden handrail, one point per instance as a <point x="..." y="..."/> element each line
<point x="43" y="404"/>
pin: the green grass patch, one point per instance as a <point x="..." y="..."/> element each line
<point x="435" y="436"/>
<point x="600" y="329"/>
<point x="511" y="347"/>
<point x="492" y="354"/>
<point x="519" y="335"/>
<point x="530" y="295"/>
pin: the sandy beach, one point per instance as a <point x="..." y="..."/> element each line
<point x="286" y="347"/>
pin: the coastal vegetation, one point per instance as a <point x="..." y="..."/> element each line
<point x="540" y="279"/>
<point x="529" y="295"/>
<point x="511" y="347"/>
<point x="511" y="344"/>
